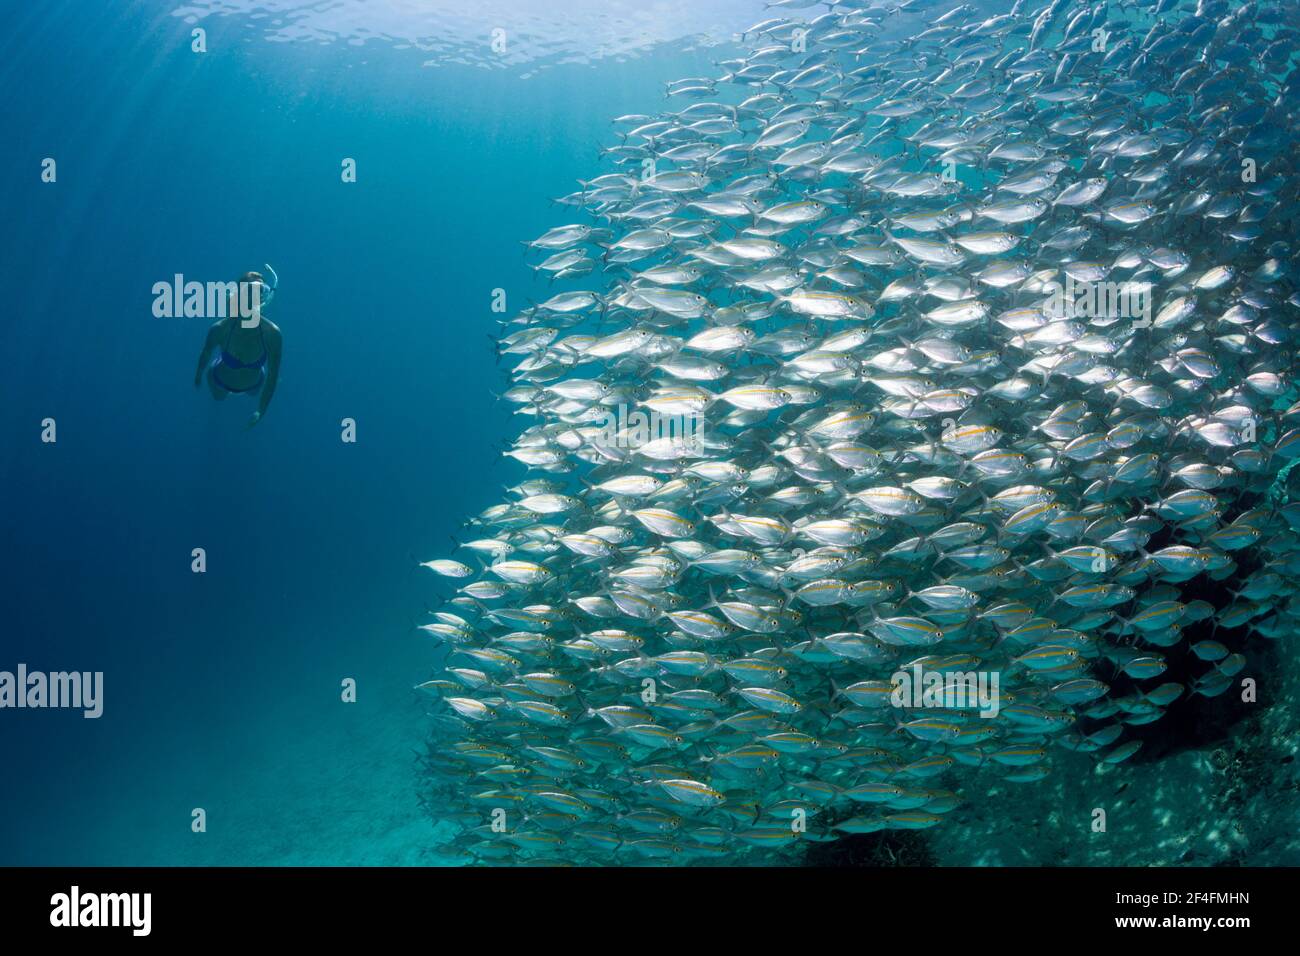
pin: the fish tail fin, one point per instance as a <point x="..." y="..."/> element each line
<point x="836" y="690"/>
<point x="702" y="753"/>
<point x="815" y="442"/>
<point x="962" y="469"/>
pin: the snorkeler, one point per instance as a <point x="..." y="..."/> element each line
<point x="248" y="349"/>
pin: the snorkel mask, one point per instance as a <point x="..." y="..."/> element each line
<point x="266" y="291"/>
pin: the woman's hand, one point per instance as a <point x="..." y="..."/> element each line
<point x="257" y="417"/>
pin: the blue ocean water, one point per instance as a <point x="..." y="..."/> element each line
<point x="222" y="690"/>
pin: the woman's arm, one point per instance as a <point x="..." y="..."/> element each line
<point x="274" y="343"/>
<point x="209" y="344"/>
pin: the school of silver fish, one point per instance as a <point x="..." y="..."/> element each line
<point x="831" y="267"/>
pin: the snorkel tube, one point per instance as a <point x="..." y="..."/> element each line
<point x="274" y="284"/>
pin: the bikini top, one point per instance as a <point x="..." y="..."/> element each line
<point x="230" y="361"/>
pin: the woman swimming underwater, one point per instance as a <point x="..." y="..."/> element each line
<point x="248" y="348"/>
